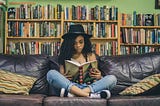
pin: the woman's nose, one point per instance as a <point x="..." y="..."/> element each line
<point x="78" y="45"/>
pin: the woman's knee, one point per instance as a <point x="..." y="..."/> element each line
<point x="111" y="78"/>
<point x="111" y="81"/>
<point x="51" y="74"/>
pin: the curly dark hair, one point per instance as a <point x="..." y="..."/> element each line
<point x="67" y="49"/>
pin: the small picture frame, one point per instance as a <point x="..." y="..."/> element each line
<point x="157" y="4"/>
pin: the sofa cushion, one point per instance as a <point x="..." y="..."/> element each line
<point x="21" y="100"/>
<point x="31" y="65"/>
<point x="130" y="69"/>
<point x="14" y="83"/>
<point x="76" y="101"/>
<point x="134" y="101"/>
<point x="143" y="86"/>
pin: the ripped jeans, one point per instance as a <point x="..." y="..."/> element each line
<point x="57" y="81"/>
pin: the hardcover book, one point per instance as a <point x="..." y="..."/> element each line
<point x="79" y="72"/>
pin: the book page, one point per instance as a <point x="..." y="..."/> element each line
<point x="71" y="68"/>
<point x="73" y="62"/>
<point x="90" y="64"/>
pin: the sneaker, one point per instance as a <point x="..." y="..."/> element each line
<point x="103" y="94"/>
<point x="64" y="93"/>
<point x="70" y="95"/>
<point x="94" y="95"/>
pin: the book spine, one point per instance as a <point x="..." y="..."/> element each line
<point x="80" y="75"/>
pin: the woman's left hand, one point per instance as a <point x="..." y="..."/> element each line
<point x="95" y="73"/>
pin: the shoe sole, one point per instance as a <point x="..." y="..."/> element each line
<point x="108" y="94"/>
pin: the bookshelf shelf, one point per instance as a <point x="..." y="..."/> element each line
<point x="34" y="38"/>
<point x="111" y="38"/>
<point x="93" y="21"/>
<point x="35" y="20"/>
<point x="143" y="27"/>
<point x="138" y="44"/>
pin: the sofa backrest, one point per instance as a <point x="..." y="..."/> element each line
<point x="130" y="69"/>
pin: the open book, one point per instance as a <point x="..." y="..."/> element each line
<point x="73" y="69"/>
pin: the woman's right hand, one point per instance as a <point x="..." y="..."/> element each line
<point x="62" y="71"/>
<point x="68" y="77"/>
<point x="95" y="73"/>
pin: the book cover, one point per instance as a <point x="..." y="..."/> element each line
<point x="77" y="70"/>
<point x="149" y="19"/>
<point x="12" y="13"/>
<point x="134" y="18"/>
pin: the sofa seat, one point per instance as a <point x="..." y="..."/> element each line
<point x="134" y="101"/>
<point x="76" y="101"/>
<point x="21" y="100"/>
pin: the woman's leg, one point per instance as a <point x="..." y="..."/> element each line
<point x="107" y="82"/>
<point x="58" y="81"/>
<point x="99" y="85"/>
<point x="79" y="92"/>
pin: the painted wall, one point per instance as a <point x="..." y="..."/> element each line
<point x="127" y="6"/>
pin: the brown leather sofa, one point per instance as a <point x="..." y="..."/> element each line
<point x="128" y="69"/>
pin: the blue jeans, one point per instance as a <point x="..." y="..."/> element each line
<point x="58" y="81"/>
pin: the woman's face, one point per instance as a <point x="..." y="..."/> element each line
<point x="79" y="44"/>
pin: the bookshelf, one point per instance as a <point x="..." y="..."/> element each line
<point x="39" y="31"/>
<point x="140" y="33"/>
<point x="32" y="29"/>
<point x="2" y="23"/>
<point x="101" y="22"/>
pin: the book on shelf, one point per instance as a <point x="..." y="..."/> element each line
<point x="11" y="12"/>
<point x="80" y="72"/>
<point x="149" y="19"/>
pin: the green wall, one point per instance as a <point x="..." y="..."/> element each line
<point x="127" y="6"/>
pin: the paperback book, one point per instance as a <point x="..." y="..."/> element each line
<point x="80" y="72"/>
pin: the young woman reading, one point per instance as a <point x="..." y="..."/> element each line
<point x="76" y="46"/>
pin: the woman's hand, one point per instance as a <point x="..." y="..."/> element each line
<point x="62" y="71"/>
<point x="68" y="77"/>
<point x="95" y="73"/>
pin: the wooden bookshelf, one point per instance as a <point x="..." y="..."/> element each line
<point x="103" y="28"/>
<point x="105" y="31"/>
<point x="142" y="37"/>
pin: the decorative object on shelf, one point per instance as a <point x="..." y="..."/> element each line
<point x="11" y="12"/>
<point x="157" y="4"/>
